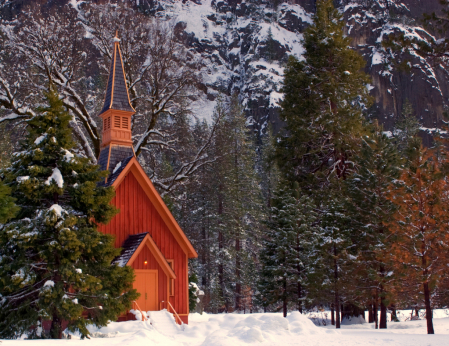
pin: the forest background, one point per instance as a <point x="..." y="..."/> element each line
<point x="333" y="213"/>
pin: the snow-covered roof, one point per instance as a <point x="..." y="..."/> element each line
<point x="129" y="247"/>
<point x="114" y="159"/>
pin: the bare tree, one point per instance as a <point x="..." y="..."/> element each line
<point x="72" y="50"/>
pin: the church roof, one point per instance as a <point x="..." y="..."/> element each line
<point x="117" y="92"/>
<point x="129" y="247"/>
<point x="134" y="245"/>
<point x="114" y="158"/>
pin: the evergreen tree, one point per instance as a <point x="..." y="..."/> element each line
<point x="7" y="207"/>
<point x="325" y="97"/>
<point x="334" y="248"/>
<point x="270" y="46"/>
<point x="406" y="128"/>
<point x="371" y="211"/>
<point x="55" y="265"/>
<point x="419" y="246"/>
<point x="266" y="166"/>
<point x="231" y="213"/>
<point x="287" y="256"/>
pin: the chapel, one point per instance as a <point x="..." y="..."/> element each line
<point x="152" y="242"/>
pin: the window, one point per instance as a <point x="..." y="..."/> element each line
<point x="117" y="121"/>
<point x="109" y="122"/>
<point x="125" y="122"/>
<point x="171" y="282"/>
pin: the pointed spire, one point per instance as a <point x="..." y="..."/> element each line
<point x="117" y="96"/>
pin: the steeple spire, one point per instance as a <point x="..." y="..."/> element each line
<point x="117" y="111"/>
<point x="117" y="96"/>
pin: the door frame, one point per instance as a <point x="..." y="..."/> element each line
<point x="143" y="271"/>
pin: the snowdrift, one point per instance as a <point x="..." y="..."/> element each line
<point x="235" y="329"/>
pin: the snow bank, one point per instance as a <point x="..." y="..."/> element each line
<point x="266" y="329"/>
<point x="238" y="329"/>
<point x="130" y="333"/>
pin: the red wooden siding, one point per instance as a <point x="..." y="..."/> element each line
<point x="138" y="215"/>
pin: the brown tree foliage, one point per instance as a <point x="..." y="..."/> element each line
<point x="420" y="230"/>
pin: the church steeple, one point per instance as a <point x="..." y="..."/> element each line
<point x="117" y="111"/>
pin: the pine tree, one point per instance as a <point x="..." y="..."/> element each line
<point x="324" y="106"/>
<point x="325" y="97"/>
<point x="334" y="248"/>
<point x="8" y="209"/>
<point x="406" y="128"/>
<point x="55" y="265"/>
<point x="288" y="250"/>
<point x="419" y="246"/>
<point x="267" y="167"/>
<point x="370" y="209"/>
<point x="233" y="220"/>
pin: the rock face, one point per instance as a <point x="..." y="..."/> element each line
<point x="425" y="86"/>
<point x="245" y="44"/>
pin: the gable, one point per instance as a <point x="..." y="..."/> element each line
<point x="134" y="245"/>
<point x="133" y="167"/>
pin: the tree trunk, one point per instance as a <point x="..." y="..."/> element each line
<point x="428" y="309"/>
<point x="203" y="257"/>
<point x="221" y="270"/>
<point x="370" y="313"/>
<point x="56" y="327"/>
<point x="426" y="292"/>
<point x="284" y="301"/>
<point x="427" y="298"/>
<point x="394" y="316"/>
<point x="298" y="249"/>
<point x="220" y="250"/>
<point x="383" y="301"/>
<point x="337" y="298"/>
<point x="337" y="310"/>
<point x="332" y="315"/>
<point x="375" y="311"/>
<point x="383" y="313"/>
<point x="238" y="287"/>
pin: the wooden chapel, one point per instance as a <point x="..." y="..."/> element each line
<point x="152" y="242"/>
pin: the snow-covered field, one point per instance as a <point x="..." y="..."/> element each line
<point x="263" y="329"/>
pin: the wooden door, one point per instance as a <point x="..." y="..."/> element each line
<point x="146" y="284"/>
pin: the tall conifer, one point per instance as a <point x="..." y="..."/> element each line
<point x="55" y="265"/>
<point x="324" y="106"/>
<point x="325" y="96"/>
<point x="287" y="256"/>
<point x="370" y="209"/>
<point x="419" y="247"/>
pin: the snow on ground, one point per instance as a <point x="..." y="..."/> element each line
<point x="258" y="329"/>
